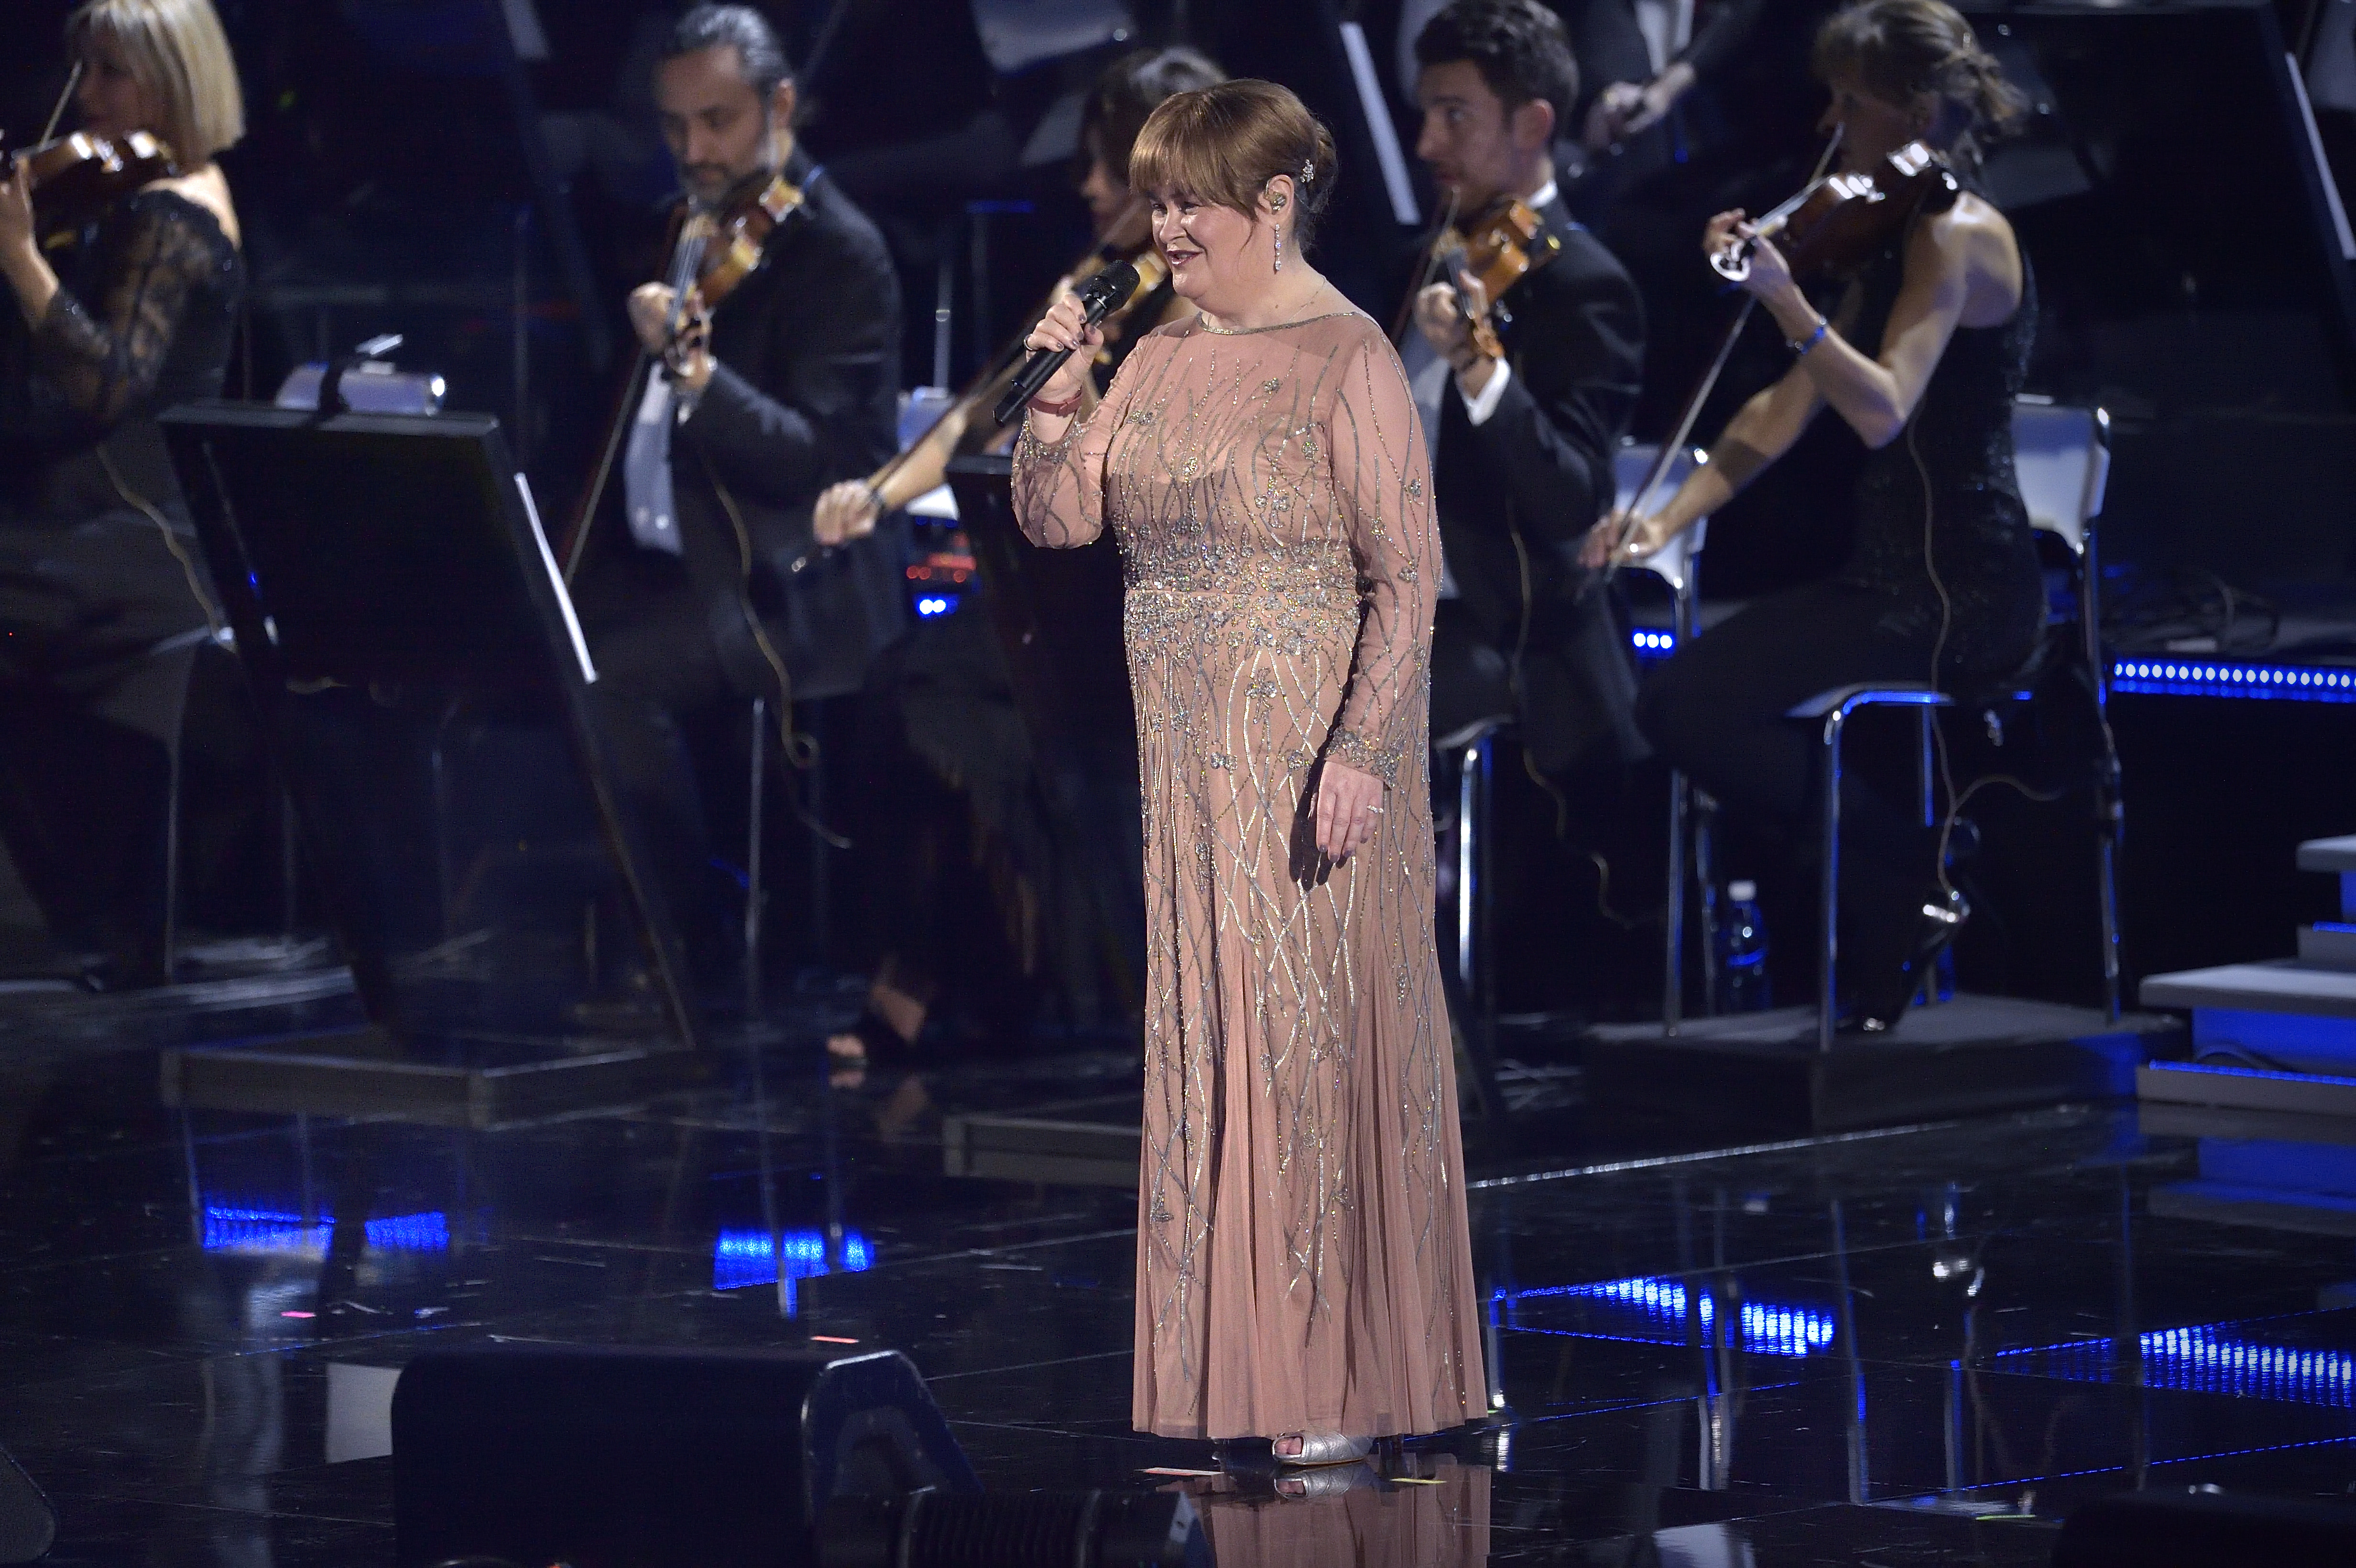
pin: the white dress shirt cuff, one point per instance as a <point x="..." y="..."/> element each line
<point x="1478" y="408"/>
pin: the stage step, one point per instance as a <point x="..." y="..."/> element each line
<point x="2246" y="1089"/>
<point x="2280" y="1016"/>
<point x="2328" y="945"/>
<point x="2328" y="855"/>
<point x="2335" y="857"/>
<point x="1971" y="1055"/>
<point x="2289" y="1024"/>
<point x="2277" y="985"/>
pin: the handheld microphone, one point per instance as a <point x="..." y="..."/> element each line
<point x="1100" y="295"/>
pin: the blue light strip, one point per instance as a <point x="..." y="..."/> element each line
<point x="1766" y="1330"/>
<point x="233" y="1228"/>
<point x="740" y="1258"/>
<point x="2198" y="1360"/>
<point x="2284" y="683"/>
<point x="2161" y="677"/>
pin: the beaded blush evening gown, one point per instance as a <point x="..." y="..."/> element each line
<point x="1303" y="1263"/>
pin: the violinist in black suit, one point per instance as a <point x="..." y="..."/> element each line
<point x="1525" y="441"/>
<point x="717" y="591"/>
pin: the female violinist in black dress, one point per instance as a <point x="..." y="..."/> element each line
<point x="1922" y="359"/>
<point x="102" y="602"/>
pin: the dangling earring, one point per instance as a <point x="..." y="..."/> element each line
<point x="1276" y="204"/>
<point x="1280" y="250"/>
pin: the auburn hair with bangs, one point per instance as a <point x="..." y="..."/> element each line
<point x="1221" y="145"/>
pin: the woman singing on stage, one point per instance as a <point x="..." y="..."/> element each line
<point x="1921" y="358"/>
<point x="1305" y="1275"/>
<point x="101" y="602"/>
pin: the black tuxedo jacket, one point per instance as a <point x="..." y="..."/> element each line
<point x="1517" y="493"/>
<point x="804" y="392"/>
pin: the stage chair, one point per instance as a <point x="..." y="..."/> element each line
<point x="2064" y="461"/>
<point x="1475" y="747"/>
<point x="1680" y="567"/>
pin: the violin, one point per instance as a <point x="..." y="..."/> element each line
<point x="77" y="178"/>
<point x="712" y="251"/>
<point x="1838" y="222"/>
<point x="1510" y="242"/>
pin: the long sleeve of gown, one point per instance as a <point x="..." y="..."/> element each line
<point x="1059" y="496"/>
<point x="1382" y="483"/>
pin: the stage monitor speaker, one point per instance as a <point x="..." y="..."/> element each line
<point x="2206" y="1529"/>
<point x="647" y="1459"/>
<point x="27" y="1528"/>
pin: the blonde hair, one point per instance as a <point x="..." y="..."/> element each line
<point x="177" y="50"/>
<point x="1221" y="145"/>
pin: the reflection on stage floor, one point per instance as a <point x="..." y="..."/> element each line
<point x="1910" y="1345"/>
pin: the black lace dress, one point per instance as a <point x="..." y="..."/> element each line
<point x="145" y="320"/>
<point x="1955" y="456"/>
<point x="103" y="597"/>
<point x="1965" y="589"/>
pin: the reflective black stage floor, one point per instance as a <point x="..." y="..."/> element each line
<point x="1922" y="1345"/>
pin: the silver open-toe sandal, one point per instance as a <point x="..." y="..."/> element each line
<point x="1321" y="1448"/>
<point x="1294" y="1483"/>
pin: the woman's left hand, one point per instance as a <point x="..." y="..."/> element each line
<point x="1349" y="808"/>
<point x="1771" y="274"/>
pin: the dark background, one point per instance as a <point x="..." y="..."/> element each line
<point x="404" y="172"/>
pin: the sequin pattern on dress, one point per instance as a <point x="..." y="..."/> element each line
<point x="1303" y="1260"/>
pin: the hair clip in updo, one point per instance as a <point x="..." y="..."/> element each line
<point x="1308" y="170"/>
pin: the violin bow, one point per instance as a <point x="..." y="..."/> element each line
<point x="73" y="79"/>
<point x="682" y="273"/>
<point x="1632" y="516"/>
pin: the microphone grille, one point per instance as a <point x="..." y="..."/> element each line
<point x="1113" y="285"/>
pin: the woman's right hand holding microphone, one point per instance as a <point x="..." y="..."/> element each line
<point x="1066" y="325"/>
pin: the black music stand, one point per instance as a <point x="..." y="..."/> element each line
<point x="381" y="573"/>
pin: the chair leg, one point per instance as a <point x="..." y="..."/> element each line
<point x="1468" y="765"/>
<point x="1484" y="951"/>
<point x="1939" y="984"/>
<point x="1673" y="987"/>
<point x="1701" y="811"/>
<point x="2089" y="626"/>
<point x="2109" y="895"/>
<point x="1828" y="927"/>
<point x="755" y="814"/>
<point x="1474" y="990"/>
<point x="171" y="953"/>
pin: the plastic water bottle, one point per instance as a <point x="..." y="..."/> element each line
<point x="1742" y="952"/>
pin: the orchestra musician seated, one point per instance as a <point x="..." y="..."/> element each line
<point x="1921" y="357"/>
<point x="1529" y="403"/>
<point x="120" y="312"/>
<point x="716" y="590"/>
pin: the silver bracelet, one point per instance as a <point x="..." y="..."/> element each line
<point x="1800" y="347"/>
